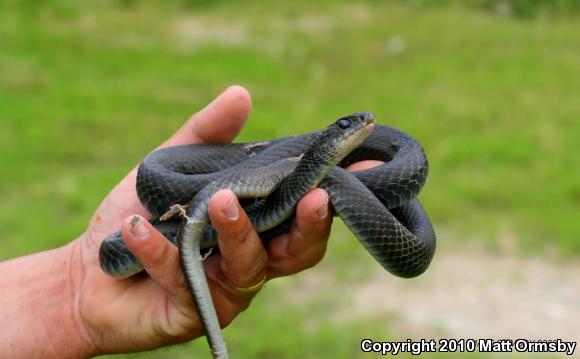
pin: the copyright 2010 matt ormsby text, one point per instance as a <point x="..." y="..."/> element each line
<point x="421" y="346"/>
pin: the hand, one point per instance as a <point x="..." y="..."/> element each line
<point x="145" y="312"/>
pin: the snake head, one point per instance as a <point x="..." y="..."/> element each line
<point x="337" y="140"/>
<point x="357" y="117"/>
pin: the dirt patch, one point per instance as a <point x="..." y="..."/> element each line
<point x="472" y="293"/>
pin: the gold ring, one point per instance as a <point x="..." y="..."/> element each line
<point x="254" y="288"/>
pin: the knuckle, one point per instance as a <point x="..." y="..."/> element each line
<point x="158" y="251"/>
<point x="239" y="231"/>
<point x="312" y="230"/>
<point x="308" y="257"/>
<point x="245" y="230"/>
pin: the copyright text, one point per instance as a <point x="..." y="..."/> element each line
<point x="421" y="346"/>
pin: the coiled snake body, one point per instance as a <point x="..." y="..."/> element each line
<point x="379" y="204"/>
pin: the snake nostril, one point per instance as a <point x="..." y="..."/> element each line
<point x="366" y="116"/>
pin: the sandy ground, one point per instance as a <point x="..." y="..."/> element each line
<point x="471" y="293"/>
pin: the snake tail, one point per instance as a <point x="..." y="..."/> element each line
<point x="191" y="235"/>
<point x="192" y="262"/>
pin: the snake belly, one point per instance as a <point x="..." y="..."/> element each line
<point x="378" y="205"/>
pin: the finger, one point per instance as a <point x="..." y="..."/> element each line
<point x="363" y="165"/>
<point x="244" y="259"/>
<point x="305" y="245"/>
<point x="218" y="122"/>
<point x="159" y="257"/>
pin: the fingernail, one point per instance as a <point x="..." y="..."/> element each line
<point x="323" y="210"/>
<point x="231" y="210"/>
<point x="138" y="229"/>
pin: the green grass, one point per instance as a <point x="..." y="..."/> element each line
<point x="87" y="90"/>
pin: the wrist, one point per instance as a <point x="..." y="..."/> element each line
<point x="40" y="305"/>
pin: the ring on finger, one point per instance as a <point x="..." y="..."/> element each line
<point x="253" y="289"/>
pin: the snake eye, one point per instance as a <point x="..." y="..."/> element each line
<point x="343" y="123"/>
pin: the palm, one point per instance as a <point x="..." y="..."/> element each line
<point x="136" y="300"/>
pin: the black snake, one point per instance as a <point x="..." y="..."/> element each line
<point x="379" y="204"/>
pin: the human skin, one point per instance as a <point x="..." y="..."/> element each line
<point x="60" y="304"/>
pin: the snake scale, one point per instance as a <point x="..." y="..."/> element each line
<point x="378" y="204"/>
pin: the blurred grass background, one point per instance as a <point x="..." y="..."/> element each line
<point x="490" y="88"/>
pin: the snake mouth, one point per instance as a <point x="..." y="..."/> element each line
<point x="369" y="117"/>
<point x="362" y="133"/>
<point x="366" y="117"/>
<point x="367" y="129"/>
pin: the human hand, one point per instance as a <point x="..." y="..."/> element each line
<point x="145" y="312"/>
